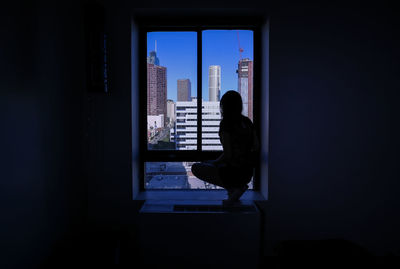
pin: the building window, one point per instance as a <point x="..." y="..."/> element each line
<point x="187" y="74"/>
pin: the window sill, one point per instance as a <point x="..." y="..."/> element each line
<point x="195" y="195"/>
<point x="196" y="201"/>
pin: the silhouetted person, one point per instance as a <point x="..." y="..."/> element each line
<point x="234" y="168"/>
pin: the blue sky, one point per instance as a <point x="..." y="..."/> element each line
<point x="177" y="51"/>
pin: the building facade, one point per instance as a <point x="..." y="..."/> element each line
<point x="155" y="122"/>
<point x="214" y="83"/>
<point x="184" y="90"/>
<point x="170" y="111"/>
<point x="245" y="85"/>
<point x="185" y="133"/>
<point x="156" y="90"/>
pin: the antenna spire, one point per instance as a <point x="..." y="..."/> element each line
<point x="155" y="46"/>
<point x="240" y="49"/>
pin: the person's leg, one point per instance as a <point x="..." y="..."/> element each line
<point x="207" y="172"/>
<point x="239" y="178"/>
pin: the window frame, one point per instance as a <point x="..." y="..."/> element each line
<point x="148" y="25"/>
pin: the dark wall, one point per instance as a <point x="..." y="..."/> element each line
<point x="333" y="155"/>
<point x="334" y="130"/>
<point x="110" y="134"/>
<point x="43" y="187"/>
<point x="333" y="83"/>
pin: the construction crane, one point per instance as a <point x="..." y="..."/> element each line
<point x="240" y="49"/>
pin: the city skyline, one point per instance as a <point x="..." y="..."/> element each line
<point x="173" y="125"/>
<point x="178" y="52"/>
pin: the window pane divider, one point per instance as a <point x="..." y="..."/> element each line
<point x="199" y="89"/>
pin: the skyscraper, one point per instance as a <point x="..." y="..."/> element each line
<point x="245" y="85"/>
<point x="170" y="111"/>
<point x="214" y="83"/>
<point x="156" y="90"/>
<point x="184" y="90"/>
<point x="153" y="59"/>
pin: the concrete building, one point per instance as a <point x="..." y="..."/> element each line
<point x="214" y="83"/>
<point x="185" y="134"/>
<point x="155" y="121"/>
<point x="156" y="90"/>
<point x="245" y="85"/>
<point x="184" y="90"/>
<point x="170" y="111"/>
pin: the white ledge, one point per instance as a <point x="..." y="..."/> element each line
<point x="195" y="195"/>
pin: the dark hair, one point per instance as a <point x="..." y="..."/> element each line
<point x="231" y="105"/>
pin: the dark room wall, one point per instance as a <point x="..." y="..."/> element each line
<point x="110" y="145"/>
<point x="332" y="170"/>
<point x="67" y="155"/>
<point x="334" y="131"/>
<point x="43" y="187"/>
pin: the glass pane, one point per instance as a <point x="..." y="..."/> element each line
<point x="172" y="90"/>
<point x="173" y="175"/>
<point x="227" y="65"/>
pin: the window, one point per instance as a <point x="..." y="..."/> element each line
<point x="187" y="72"/>
<point x="223" y="70"/>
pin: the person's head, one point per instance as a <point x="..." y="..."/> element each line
<point x="231" y="105"/>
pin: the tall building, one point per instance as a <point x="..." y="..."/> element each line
<point x="214" y="83"/>
<point x="170" y="111"/>
<point x="245" y="85"/>
<point x="156" y="90"/>
<point x="184" y="90"/>
<point x="185" y="133"/>
<point x="153" y="59"/>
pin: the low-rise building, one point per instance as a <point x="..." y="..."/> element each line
<point x="185" y="133"/>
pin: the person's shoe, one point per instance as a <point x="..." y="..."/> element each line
<point x="230" y="192"/>
<point x="229" y="201"/>
<point x="234" y="195"/>
<point x="237" y="193"/>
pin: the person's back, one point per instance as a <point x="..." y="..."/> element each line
<point x="238" y="169"/>
<point x="242" y="141"/>
<point x="233" y="169"/>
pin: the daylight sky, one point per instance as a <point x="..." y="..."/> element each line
<point x="177" y="51"/>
